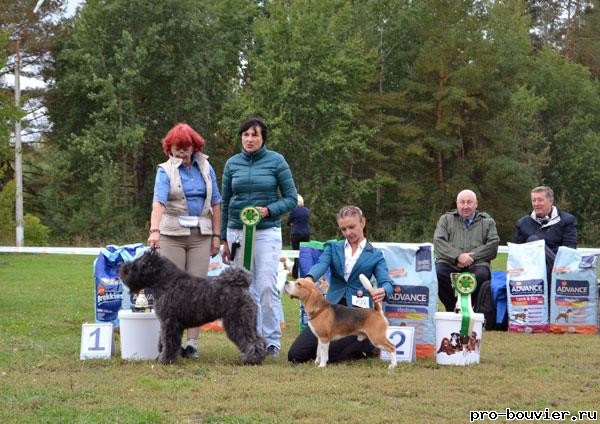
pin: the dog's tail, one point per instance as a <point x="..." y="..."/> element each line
<point x="366" y="283"/>
<point x="235" y="276"/>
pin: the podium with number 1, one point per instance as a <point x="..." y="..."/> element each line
<point x="96" y="341"/>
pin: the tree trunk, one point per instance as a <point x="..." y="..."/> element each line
<point x="439" y="113"/>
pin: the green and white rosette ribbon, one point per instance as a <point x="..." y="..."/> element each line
<point x="250" y="217"/>
<point x="464" y="284"/>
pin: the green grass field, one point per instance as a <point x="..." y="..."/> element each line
<point x="44" y="300"/>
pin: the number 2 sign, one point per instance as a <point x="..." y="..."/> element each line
<point x="96" y="341"/>
<point x="404" y="340"/>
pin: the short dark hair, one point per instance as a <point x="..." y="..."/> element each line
<point x="254" y="122"/>
<point x="544" y="189"/>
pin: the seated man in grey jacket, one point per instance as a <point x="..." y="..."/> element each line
<point x="465" y="240"/>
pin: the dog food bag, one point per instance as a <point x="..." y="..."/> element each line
<point x="308" y="255"/>
<point x="110" y="294"/>
<point x="573" y="294"/>
<point x="527" y="288"/>
<point x="414" y="300"/>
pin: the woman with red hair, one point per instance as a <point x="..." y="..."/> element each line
<point x="186" y="209"/>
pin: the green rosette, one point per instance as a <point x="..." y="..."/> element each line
<point x="464" y="284"/>
<point x="250" y="217"/>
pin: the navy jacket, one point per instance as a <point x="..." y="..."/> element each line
<point x="298" y="219"/>
<point x="370" y="262"/>
<point x="563" y="233"/>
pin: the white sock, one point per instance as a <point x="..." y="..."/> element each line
<point x="193" y="343"/>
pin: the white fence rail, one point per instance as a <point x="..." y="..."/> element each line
<point x="94" y="251"/>
<point x="91" y="251"/>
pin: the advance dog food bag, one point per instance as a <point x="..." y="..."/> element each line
<point x="414" y="300"/>
<point x="573" y="294"/>
<point x="526" y="287"/>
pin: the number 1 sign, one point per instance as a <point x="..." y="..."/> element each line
<point x="96" y="341"/>
<point x="404" y="340"/>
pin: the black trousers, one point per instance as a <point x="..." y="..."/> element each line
<point x="296" y="239"/>
<point x="304" y="348"/>
<point x="445" y="289"/>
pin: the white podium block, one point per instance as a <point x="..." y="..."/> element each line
<point x="96" y="341"/>
<point x="139" y="334"/>
<point x="404" y="339"/>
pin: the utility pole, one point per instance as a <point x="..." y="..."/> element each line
<point x="20" y="233"/>
<point x="18" y="148"/>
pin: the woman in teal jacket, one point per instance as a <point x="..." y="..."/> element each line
<point x="346" y="260"/>
<point x="255" y="177"/>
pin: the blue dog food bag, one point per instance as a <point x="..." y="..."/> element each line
<point x="110" y="294"/>
<point x="526" y="287"/>
<point x="573" y="296"/>
<point x="414" y="300"/>
<point x="308" y="255"/>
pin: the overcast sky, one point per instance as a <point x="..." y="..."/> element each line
<point x="72" y="5"/>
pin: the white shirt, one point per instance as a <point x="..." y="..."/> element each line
<point x="554" y="218"/>
<point x="351" y="259"/>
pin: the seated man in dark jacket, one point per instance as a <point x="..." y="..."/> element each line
<point x="547" y="223"/>
<point x="465" y="240"/>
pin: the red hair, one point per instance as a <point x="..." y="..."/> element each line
<point x="182" y="136"/>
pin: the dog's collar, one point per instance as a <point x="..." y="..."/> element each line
<point x="317" y="314"/>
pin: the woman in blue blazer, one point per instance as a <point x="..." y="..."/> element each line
<point x="346" y="260"/>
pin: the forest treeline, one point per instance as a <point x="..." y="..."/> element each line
<point x="391" y="105"/>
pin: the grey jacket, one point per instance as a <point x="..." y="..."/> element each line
<point x="452" y="237"/>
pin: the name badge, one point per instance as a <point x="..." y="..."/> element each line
<point x="360" y="301"/>
<point x="189" y="221"/>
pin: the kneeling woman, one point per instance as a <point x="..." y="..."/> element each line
<point x="346" y="259"/>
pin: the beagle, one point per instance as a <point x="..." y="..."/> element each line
<point x="331" y="322"/>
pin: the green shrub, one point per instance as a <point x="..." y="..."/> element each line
<point x="7" y="217"/>
<point x="36" y="233"/>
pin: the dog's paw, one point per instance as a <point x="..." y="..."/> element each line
<point x="165" y="361"/>
<point x="253" y="360"/>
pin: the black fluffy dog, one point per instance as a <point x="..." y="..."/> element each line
<point x="183" y="301"/>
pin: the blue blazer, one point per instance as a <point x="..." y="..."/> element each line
<point x="370" y="262"/>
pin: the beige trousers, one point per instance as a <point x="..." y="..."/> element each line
<point x="190" y="253"/>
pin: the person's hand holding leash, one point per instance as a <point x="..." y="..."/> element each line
<point x="154" y="239"/>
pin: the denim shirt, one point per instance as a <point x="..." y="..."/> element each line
<point x="194" y="187"/>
